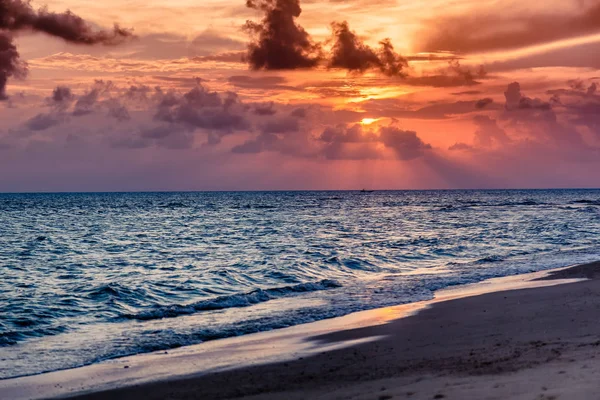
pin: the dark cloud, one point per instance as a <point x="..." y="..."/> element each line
<point x="168" y="136"/>
<point x="354" y="142"/>
<point x="42" y="122"/>
<point x="212" y="41"/>
<point x="459" y="146"/>
<point x="19" y="15"/>
<point x="279" y="43"/>
<point x="481" y="31"/>
<point x="395" y="108"/>
<point x="117" y="110"/>
<point x="488" y="132"/>
<point x="483" y="103"/>
<point x="203" y="109"/>
<point x="406" y="144"/>
<point x="281" y="125"/>
<point x="265" y="109"/>
<point x="539" y="122"/>
<point x="344" y="134"/>
<point x="515" y="100"/>
<point x="454" y="74"/>
<point x="61" y="98"/>
<point x="299" y="113"/>
<point x="85" y="103"/>
<point x="184" y="81"/>
<point x="138" y="93"/>
<point x="466" y="93"/>
<point x="10" y="62"/>
<point x="227" y="57"/>
<point x="263" y="142"/>
<point x="261" y="82"/>
<point x="349" y="52"/>
<point x="61" y="94"/>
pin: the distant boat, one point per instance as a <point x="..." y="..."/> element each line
<point x="366" y="191"/>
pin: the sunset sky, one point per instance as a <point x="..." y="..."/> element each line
<point x="492" y="94"/>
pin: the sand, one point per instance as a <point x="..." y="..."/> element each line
<point x="531" y="343"/>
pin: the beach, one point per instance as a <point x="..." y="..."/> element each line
<point x="529" y="342"/>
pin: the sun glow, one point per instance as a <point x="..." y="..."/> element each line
<point x="368" y="121"/>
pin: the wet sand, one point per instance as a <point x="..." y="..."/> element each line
<point x="535" y="343"/>
<point x="530" y="343"/>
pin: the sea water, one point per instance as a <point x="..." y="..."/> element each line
<point x="89" y="277"/>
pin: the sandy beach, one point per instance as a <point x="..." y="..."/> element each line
<point x="527" y="343"/>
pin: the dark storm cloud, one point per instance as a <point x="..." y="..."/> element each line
<point x="19" y="15"/>
<point x="279" y="43"/>
<point x="349" y="52"/>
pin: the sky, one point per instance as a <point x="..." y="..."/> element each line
<point x="131" y="95"/>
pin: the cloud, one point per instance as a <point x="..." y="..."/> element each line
<point x="43" y="121"/>
<point x="279" y="43"/>
<point x="406" y="144"/>
<point x="85" y="103"/>
<point x="18" y="15"/>
<point x="483" y="103"/>
<point x="263" y="142"/>
<point x="395" y="108"/>
<point x="494" y="29"/>
<point x="515" y="100"/>
<point x="488" y="132"/>
<point x="202" y="109"/>
<point x="281" y="125"/>
<point x="61" y="96"/>
<point x="349" y="52"/>
<point x="454" y="74"/>
<point x="10" y="62"/>
<point x="466" y="93"/>
<point x="264" y="109"/>
<point x="354" y="142"/>
<point x="299" y="113"/>
<point x="261" y="82"/>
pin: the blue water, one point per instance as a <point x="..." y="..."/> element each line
<point x="88" y="277"/>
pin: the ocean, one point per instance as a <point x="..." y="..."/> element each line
<point x="89" y="277"/>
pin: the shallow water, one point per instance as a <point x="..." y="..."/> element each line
<point x="87" y="277"/>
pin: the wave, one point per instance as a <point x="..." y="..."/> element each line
<point x="489" y="259"/>
<point x="589" y="202"/>
<point x="232" y="301"/>
<point x="469" y="205"/>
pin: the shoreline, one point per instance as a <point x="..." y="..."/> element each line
<point x="297" y="349"/>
